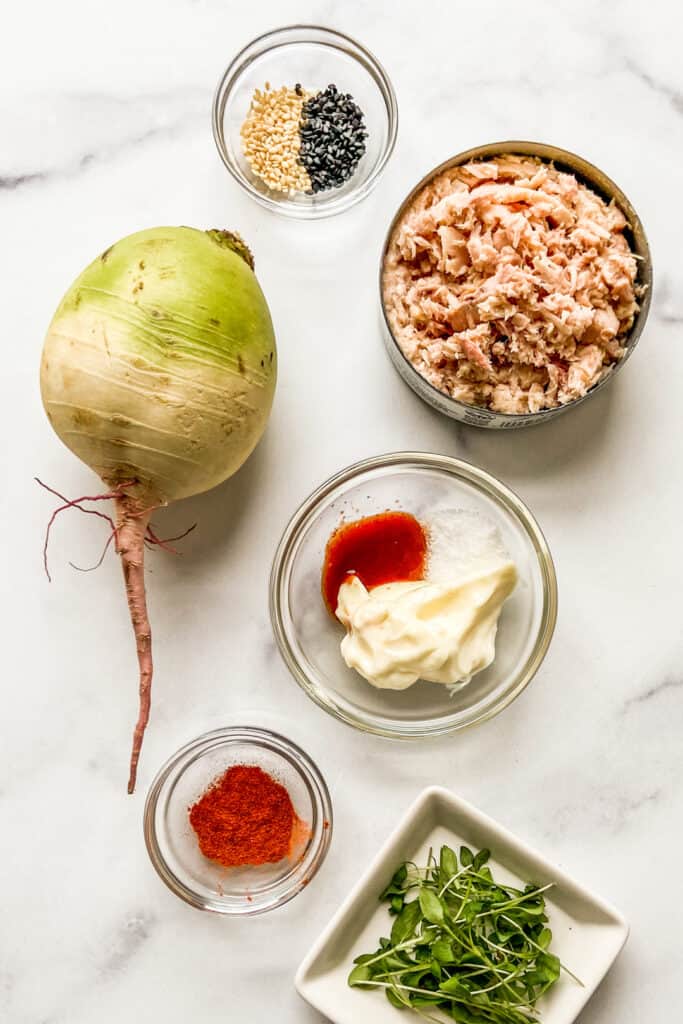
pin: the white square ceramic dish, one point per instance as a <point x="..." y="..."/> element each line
<point x="587" y="932"/>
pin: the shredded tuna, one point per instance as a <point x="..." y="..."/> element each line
<point x="509" y="284"/>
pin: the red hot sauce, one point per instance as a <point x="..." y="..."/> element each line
<point x="379" y="549"/>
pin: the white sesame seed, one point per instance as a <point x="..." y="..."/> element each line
<point x="270" y="139"/>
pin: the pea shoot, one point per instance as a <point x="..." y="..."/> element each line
<point x="462" y="943"/>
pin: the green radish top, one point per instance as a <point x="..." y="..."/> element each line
<point x="159" y="365"/>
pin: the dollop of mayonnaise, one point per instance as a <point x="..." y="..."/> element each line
<point x="442" y="632"/>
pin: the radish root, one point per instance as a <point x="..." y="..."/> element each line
<point x="98" y="563"/>
<point x="131" y="526"/>
<point x="77" y="503"/>
<point x="131" y="533"/>
<point x="165" y="542"/>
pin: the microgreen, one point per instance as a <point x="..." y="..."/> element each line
<point x="461" y="943"/>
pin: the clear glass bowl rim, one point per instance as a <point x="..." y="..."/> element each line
<point x="493" y="488"/>
<point x="259" y="738"/>
<point x="600" y="182"/>
<point x="339" y="40"/>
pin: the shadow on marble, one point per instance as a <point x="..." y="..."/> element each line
<point x="577" y="439"/>
<point x="219" y="512"/>
<point x="597" y="1010"/>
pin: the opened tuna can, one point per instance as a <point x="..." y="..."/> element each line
<point x="573" y="347"/>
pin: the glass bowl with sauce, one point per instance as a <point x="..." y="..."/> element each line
<point x="173" y="845"/>
<point x="308" y="636"/>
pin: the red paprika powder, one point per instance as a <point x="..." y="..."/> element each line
<point x="244" y="817"/>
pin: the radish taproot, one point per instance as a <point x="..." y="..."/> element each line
<point x="158" y="371"/>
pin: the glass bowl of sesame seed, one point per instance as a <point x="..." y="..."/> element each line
<point x="305" y="120"/>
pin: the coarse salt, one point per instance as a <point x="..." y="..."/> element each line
<point x="461" y="542"/>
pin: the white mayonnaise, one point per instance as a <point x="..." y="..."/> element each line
<point x="441" y="629"/>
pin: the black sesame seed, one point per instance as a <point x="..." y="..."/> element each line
<point x="332" y="134"/>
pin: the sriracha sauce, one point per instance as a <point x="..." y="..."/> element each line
<point x="384" y="548"/>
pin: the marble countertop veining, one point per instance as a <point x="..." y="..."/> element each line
<point x="104" y="122"/>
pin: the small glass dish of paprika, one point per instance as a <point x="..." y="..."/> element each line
<point x="238" y="821"/>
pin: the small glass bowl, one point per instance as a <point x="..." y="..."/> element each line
<point x="315" y="57"/>
<point x="309" y="639"/>
<point x="172" y="844"/>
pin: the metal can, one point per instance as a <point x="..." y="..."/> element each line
<point x="595" y="179"/>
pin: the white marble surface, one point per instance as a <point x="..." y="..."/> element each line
<point x="104" y="129"/>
